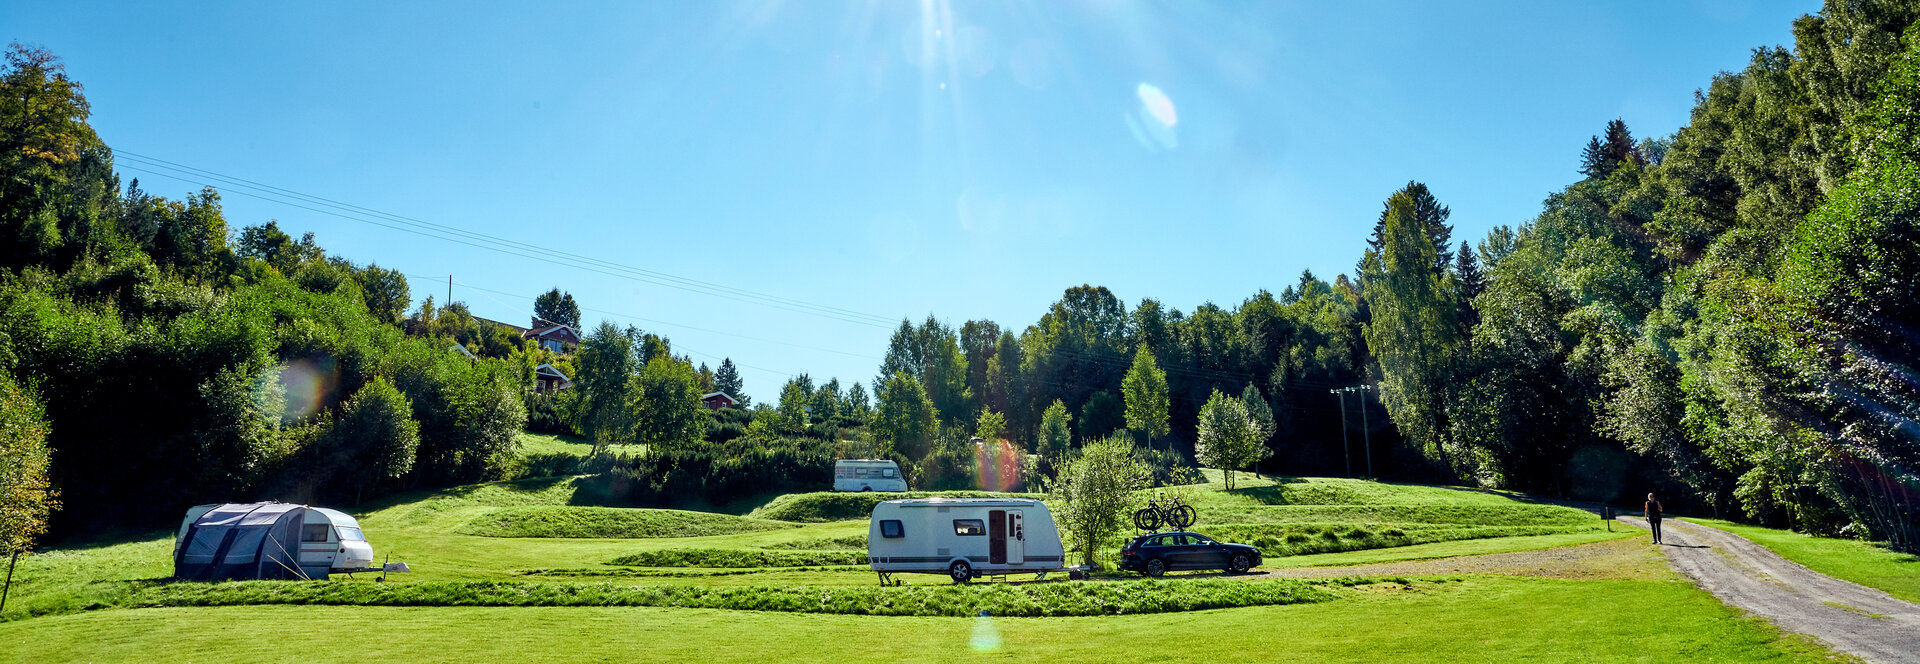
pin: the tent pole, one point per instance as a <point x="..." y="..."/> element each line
<point x="9" y="587"/>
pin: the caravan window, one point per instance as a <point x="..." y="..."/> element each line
<point x="969" y="527"/>
<point x="886" y="472"/>
<point x="348" y="534"/>
<point x="891" y="528"/>
<point x="313" y="532"/>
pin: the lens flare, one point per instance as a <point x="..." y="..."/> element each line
<point x="1153" y="122"/>
<point x="985" y="637"/>
<point x="999" y="465"/>
<point x="308" y="382"/>
<point x="1157" y="105"/>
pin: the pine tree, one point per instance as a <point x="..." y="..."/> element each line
<point x="1593" y="159"/>
<point x="1621" y="147"/>
<point x="1466" y="270"/>
<point x="727" y="380"/>
<point x="1603" y="155"/>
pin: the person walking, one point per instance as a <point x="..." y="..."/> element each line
<point x="1653" y="517"/>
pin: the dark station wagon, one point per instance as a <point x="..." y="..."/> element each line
<point x="1159" y="553"/>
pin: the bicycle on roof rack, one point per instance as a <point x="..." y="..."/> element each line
<point x="1172" y="512"/>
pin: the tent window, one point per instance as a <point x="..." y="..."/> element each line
<point x="313" y="532"/>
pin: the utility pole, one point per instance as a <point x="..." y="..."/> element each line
<point x="1366" y="433"/>
<point x="449" y="289"/>
<point x="1346" y="448"/>
<point x="1366" y="436"/>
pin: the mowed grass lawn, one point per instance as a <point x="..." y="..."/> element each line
<point x="447" y="535"/>
<point x="1476" y="619"/>
<point x="1851" y="560"/>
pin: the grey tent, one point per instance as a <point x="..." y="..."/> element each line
<point x="242" y="541"/>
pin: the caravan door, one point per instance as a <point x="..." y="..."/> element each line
<point x="1016" y="537"/>
<point x="997" y="537"/>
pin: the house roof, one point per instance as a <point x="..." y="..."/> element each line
<point x="550" y="329"/>
<point x="548" y="370"/>
<point x="711" y="395"/>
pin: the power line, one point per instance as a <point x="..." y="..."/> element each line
<point x="330" y="207"/>
<point x="680" y="347"/>
<point x="661" y="322"/>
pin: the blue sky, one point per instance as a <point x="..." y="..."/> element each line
<point x="891" y="158"/>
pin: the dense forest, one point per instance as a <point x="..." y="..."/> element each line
<point x="1729" y="316"/>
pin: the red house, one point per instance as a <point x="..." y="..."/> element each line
<point x="718" y="400"/>
<point x="548" y="379"/>
<point x="552" y="336"/>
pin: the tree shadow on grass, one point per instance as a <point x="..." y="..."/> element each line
<point x="1268" y="495"/>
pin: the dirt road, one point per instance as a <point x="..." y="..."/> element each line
<point x="1849" y="617"/>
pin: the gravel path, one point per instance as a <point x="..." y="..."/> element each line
<point x="1849" y="617"/>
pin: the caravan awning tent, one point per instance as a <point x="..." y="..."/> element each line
<point x="242" y="541"/>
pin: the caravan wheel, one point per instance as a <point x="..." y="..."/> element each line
<point x="961" y="571"/>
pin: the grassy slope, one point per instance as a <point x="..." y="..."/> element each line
<point x="1859" y="562"/>
<point x="1484" y="619"/>
<point x="540" y="443"/>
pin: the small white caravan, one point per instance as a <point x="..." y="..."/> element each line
<point x="330" y="541"/>
<point x="867" y="475"/>
<point x="964" y="538"/>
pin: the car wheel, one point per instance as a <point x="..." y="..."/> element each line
<point x="1156" y="568"/>
<point x="961" y="571"/>
<point x="1239" y="564"/>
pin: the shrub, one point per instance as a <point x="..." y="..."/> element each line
<point x="1005" y="600"/>
<point x="544" y="416"/>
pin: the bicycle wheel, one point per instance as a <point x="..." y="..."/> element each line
<point x="1146" y="518"/>
<point x="1182" y="516"/>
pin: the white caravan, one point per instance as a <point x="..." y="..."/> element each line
<point x="330" y="541"/>
<point x="867" y="475"/>
<point x="963" y="538"/>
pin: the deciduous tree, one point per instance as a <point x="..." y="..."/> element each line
<point x="1145" y="388"/>
<point x="1092" y="491"/>
<point x="1226" y="438"/>
<point x="26" y="495"/>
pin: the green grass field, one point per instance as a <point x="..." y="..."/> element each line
<point x="1859" y="562"/>
<point x="524" y="567"/>
<point x="1478" y="619"/>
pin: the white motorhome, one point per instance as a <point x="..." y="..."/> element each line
<point x="330" y="541"/>
<point x="867" y="475"/>
<point x="963" y="537"/>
